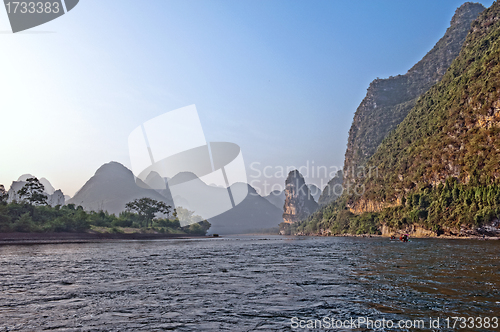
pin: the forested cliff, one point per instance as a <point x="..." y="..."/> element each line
<point x="388" y="101"/>
<point x="438" y="171"/>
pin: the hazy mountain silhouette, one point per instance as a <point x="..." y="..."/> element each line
<point x="195" y="195"/>
<point x="156" y="182"/>
<point x="332" y="190"/>
<point x="113" y="186"/>
<point x="315" y="191"/>
<point x="49" y="189"/>
<point x="254" y="213"/>
<point x="276" y="198"/>
<point x="25" y="177"/>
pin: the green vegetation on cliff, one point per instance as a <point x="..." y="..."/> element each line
<point x="440" y="167"/>
<point x="446" y="208"/>
<point x="332" y="190"/>
<point x="336" y="219"/>
<point x="453" y="131"/>
<point x="388" y="101"/>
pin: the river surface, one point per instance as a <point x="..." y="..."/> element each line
<point x="246" y="283"/>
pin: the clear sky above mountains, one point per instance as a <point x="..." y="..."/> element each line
<point x="282" y="79"/>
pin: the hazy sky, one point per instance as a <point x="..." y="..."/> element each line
<point x="282" y="79"/>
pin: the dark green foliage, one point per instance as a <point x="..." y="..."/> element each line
<point x="338" y="220"/>
<point x="147" y="208"/>
<point x="447" y="207"/>
<point x="3" y="193"/>
<point x="76" y="222"/>
<point x="366" y="223"/>
<point x="24" y="217"/>
<point x="199" y="228"/>
<point x="32" y="192"/>
<point x="442" y="207"/>
<point x="24" y="224"/>
<point x="126" y="219"/>
<point x="174" y="224"/>
<point x="103" y="219"/>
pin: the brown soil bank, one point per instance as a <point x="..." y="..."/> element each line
<point x="51" y="238"/>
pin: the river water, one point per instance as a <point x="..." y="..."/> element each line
<point x="244" y="283"/>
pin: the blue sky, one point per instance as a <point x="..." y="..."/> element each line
<point x="282" y="79"/>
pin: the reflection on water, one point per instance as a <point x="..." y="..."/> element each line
<point x="242" y="283"/>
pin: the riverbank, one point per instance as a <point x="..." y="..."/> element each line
<point x="411" y="234"/>
<point x="489" y="231"/>
<point x="55" y="238"/>
<point x="443" y="236"/>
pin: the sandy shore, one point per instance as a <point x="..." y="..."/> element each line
<point x="54" y="238"/>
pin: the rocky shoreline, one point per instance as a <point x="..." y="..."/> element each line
<point x="442" y="236"/>
<point x="446" y="237"/>
<point x="489" y="231"/>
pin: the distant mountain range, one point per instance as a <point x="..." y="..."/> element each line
<point x="332" y="190"/>
<point x="315" y="191"/>
<point x="277" y="198"/>
<point x="253" y="214"/>
<point x="113" y="186"/>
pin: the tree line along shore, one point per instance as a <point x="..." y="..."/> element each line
<point x="146" y="216"/>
